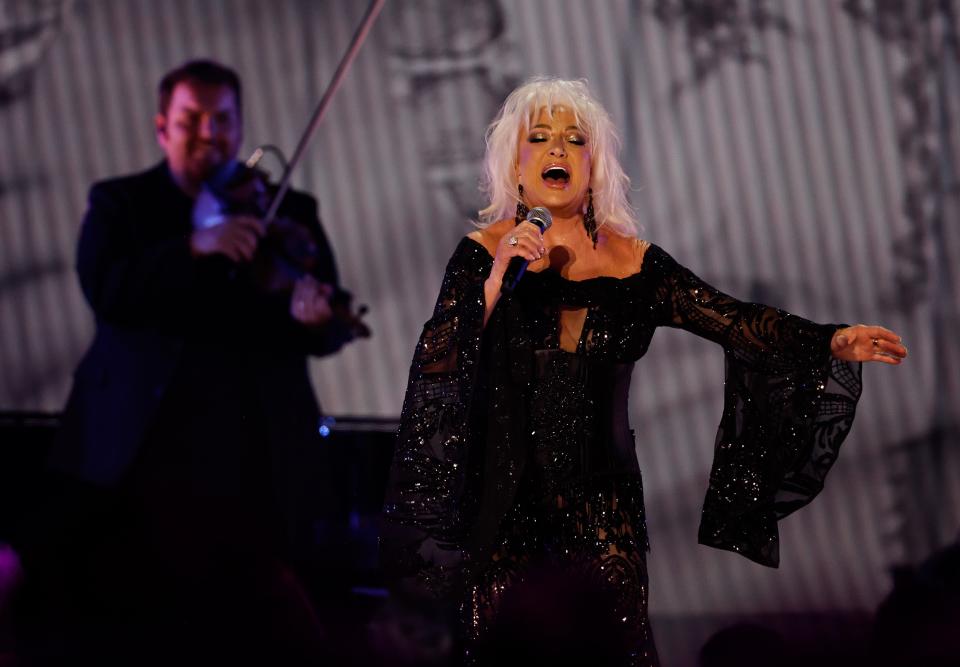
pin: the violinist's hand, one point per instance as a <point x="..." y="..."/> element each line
<point x="235" y="236"/>
<point x="310" y="303"/>
<point x="868" y="343"/>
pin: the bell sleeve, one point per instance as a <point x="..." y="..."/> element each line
<point x="788" y="406"/>
<point x="424" y="526"/>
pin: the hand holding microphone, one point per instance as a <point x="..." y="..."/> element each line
<point x="522" y="245"/>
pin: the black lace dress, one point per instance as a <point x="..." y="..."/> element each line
<point x="514" y="455"/>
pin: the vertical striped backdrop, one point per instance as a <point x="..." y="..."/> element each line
<point x="797" y="152"/>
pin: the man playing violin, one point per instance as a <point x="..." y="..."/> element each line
<point x="192" y="411"/>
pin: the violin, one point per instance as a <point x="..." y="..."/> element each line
<point x="288" y="250"/>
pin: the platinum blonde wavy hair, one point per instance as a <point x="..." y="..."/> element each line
<point x="608" y="181"/>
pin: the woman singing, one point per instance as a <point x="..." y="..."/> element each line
<point x="515" y="455"/>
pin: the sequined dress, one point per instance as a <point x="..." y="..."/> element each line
<point x="514" y="455"/>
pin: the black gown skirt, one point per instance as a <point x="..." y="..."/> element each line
<point x="568" y="573"/>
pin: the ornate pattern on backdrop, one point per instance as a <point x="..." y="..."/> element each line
<point x="802" y="154"/>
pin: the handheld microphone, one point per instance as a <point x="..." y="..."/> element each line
<point x="518" y="265"/>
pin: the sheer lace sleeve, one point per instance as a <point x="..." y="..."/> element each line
<point x="788" y="405"/>
<point x="423" y="524"/>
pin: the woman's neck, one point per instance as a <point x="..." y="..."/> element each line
<point x="566" y="231"/>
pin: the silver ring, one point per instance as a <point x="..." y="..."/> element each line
<point x="513" y="240"/>
<point x="876" y="342"/>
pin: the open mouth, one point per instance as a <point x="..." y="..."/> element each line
<point x="556" y="176"/>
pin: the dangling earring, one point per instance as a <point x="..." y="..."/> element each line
<point x="522" y="209"/>
<point x="590" y="220"/>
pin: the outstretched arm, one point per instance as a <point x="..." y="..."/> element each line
<point x="790" y="394"/>
<point x="762" y="336"/>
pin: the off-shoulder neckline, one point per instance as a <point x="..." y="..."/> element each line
<point x="582" y="281"/>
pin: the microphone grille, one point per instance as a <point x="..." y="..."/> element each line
<point x="541" y="217"/>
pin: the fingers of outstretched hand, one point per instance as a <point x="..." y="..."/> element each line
<point x="884" y="341"/>
<point x="882" y="333"/>
<point x="868" y="343"/>
<point x="886" y="351"/>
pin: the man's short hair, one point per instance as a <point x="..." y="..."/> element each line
<point x="198" y="71"/>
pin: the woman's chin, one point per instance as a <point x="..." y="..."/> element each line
<point x="560" y="203"/>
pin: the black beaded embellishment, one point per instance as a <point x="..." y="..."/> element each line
<point x="522" y="209"/>
<point x="590" y="220"/>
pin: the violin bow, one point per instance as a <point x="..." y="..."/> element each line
<point x="358" y="38"/>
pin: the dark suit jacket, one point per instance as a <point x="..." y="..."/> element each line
<point x="151" y="299"/>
